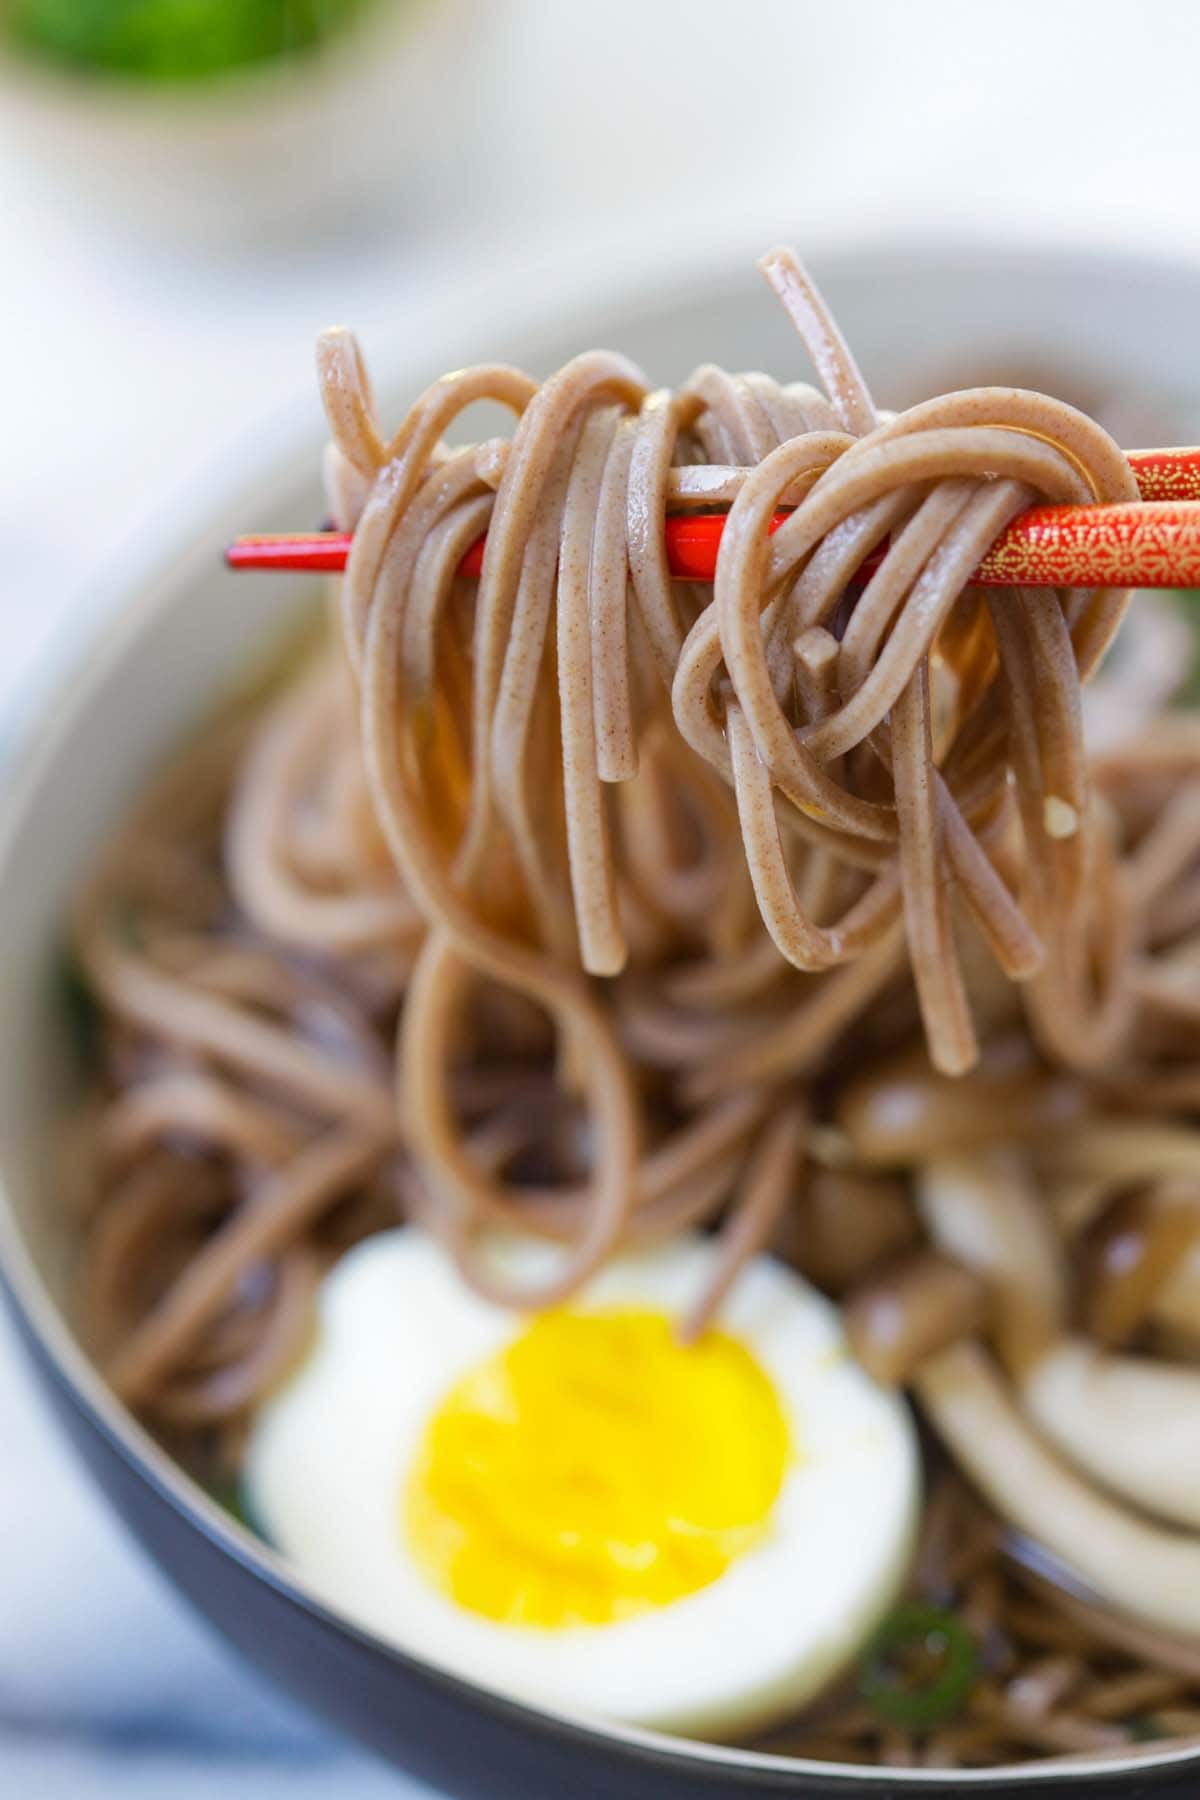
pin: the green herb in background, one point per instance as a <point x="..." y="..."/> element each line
<point x="174" y="40"/>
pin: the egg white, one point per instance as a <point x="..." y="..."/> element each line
<point x="329" y="1455"/>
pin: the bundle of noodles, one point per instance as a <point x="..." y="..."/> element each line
<point x="578" y="900"/>
<point x="577" y="765"/>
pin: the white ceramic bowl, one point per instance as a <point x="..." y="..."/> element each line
<point x="257" y="149"/>
<point x="184" y="632"/>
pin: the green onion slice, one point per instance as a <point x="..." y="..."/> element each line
<point x="919" y="1668"/>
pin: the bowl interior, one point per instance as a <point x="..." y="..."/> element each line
<point x="188" y="631"/>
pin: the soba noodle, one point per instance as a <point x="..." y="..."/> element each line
<point x="595" y="904"/>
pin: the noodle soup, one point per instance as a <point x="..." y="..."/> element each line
<point x="583" y="909"/>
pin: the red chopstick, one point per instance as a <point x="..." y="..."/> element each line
<point x="1151" y="543"/>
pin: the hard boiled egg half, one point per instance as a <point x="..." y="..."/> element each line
<point x="575" y="1507"/>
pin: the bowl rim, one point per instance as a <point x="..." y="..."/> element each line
<point x="146" y="582"/>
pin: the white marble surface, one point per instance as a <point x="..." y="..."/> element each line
<point x="131" y="357"/>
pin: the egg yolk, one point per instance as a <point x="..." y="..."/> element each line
<point x="595" y="1468"/>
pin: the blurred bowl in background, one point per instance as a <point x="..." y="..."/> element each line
<point x="256" y="149"/>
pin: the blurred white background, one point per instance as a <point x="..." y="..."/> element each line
<point x="158" y="303"/>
